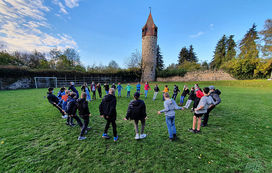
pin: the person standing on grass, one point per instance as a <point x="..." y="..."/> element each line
<point x="98" y="86"/>
<point x="55" y="101"/>
<point x="166" y="90"/>
<point x="86" y="89"/>
<point x="138" y="87"/>
<point x="60" y="94"/>
<point x="137" y="112"/>
<point x="198" y="95"/>
<point x="107" y="110"/>
<point x="146" y="88"/>
<point x="175" y="92"/>
<point x="84" y="113"/>
<point x="72" y="88"/>
<point x="128" y="88"/>
<point x="215" y="96"/>
<point x="93" y="88"/>
<point x="106" y="87"/>
<point x="113" y="86"/>
<point x="119" y="88"/>
<point x="156" y="90"/>
<point x="169" y="109"/>
<point x="72" y="109"/>
<point x="183" y="95"/>
<point x="190" y="98"/>
<point x="65" y="99"/>
<point x="204" y="104"/>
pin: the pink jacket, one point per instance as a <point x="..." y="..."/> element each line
<point x="146" y="87"/>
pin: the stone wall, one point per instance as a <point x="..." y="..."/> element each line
<point x="198" y="76"/>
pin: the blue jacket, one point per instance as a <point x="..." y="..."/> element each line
<point x="138" y="86"/>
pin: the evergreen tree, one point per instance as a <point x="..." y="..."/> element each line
<point x="267" y="38"/>
<point x="219" y="53"/>
<point x="191" y="55"/>
<point x="248" y="45"/>
<point x="183" y="55"/>
<point x="230" y="45"/>
<point x="160" y="63"/>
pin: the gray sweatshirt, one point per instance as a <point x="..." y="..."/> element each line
<point x="205" y="101"/>
<point x="169" y="108"/>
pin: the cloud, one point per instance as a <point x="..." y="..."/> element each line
<point x="211" y="26"/>
<point x="24" y="27"/>
<point x="71" y="3"/>
<point x="197" y="34"/>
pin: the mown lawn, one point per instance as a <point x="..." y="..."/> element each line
<point x="34" y="138"/>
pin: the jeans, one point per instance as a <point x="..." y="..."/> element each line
<point x="136" y="126"/>
<point x="128" y="93"/>
<point x="170" y="122"/>
<point x="138" y="90"/>
<point x="112" y="122"/>
<point x="174" y="96"/>
<point x="155" y="95"/>
<point x="145" y="92"/>
<point x="119" y="93"/>
<point x="181" y="99"/>
<point x="188" y="103"/>
<point x="64" y="105"/>
<point x="86" y="120"/>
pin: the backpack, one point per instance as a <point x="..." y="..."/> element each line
<point x="217" y="91"/>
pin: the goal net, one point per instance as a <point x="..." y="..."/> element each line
<point x="46" y="82"/>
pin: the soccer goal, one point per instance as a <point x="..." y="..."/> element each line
<point x="46" y="82"/>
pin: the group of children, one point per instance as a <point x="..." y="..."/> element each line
<point x="68" y="103"/>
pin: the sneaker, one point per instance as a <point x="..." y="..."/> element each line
<point x="137" y="136"/>
<point x="81" y="138"/>
<point x="68" y="124"/>
<point x="142" y="136"/>
<point x="191" y="130"/>
<point x="65" y="116"/>
<point x="106" y="136"/>
<point x="171" y="139"/>
<point x="115" y="138"/>
<point x="197" y="131"/>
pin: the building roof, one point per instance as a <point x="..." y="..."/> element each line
<point x="149" y="29"/>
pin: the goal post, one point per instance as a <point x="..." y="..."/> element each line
<point x="46" y="82"/>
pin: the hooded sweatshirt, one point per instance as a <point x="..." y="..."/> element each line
<point x="169" y="107"/>
<point x="136" y="110"/>
<point x="108" y="107"/>
<point x="52" y="98"/>
<point x="83" y="108"/>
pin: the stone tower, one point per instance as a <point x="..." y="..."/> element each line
<point x="149" y="50"/>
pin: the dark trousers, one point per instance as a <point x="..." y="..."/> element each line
<point x="94" y="97"/>
<point x="59" y="108"/>
<point x="206" y="116"/>
<point x="112" y="122"/>
<point x="196" y="101"/>
<point x="86" y="120"/>
<point x="136" y="122"/>
<point x="174" y="96"/>
<point x="100" y="93"/>
<point x="77" y="119"/>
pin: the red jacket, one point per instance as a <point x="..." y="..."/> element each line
<point x="199" y="94"/>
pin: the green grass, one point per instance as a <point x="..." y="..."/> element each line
<point x="238" y="139"/>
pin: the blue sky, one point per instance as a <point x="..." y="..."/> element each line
<point x="104" y="30"/>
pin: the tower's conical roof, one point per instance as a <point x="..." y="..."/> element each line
<point x="150" y="29"/>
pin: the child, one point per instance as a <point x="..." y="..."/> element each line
<point x="137" y="111"/>
<point x="86" y="89"/>
<point x="61" y="93"/>
<point x="93" y="88"/>
<point x="84" y="113"/>
<point x="119" y="88"/>
<point x="183" y="95"/>
<point x="128" y="88"/>
<point x="54" y="101"/>
<point x="113" y="86"/>
<point x="169" y="109"/>
<point x="107" y="110"/>
<point x="204" y="103"/>
<point x="72" y="88"/>
<point x="146" y="88"/>
<point x="198" y="95"/>
<point x="98" y="86"/>
<point x="64" y="100"/>
<point x="190" y="98"/>
<point x="166" y="90"/>
<point x="107" y="87"/>
<point x="138" y="87"/>
<point x="72" y="108"/>
<point x="156" y="90"/>
<point x="175" y="92"/>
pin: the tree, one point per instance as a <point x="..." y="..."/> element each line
<point x="160" y="63"/>
<point x="219" y="53"/>
<point x="72" y="55"/>
<point x="267" y="38"/>
<point x="191" y="55"/>
<point x="183" y="55"/>
<point x="248" y="45"/>
<point x="113" y="66"/>
<point x="205" y="65"/>
<point x="7" y="59"/>
<point x="135" y="60"/>
<point x="230" y="46"/>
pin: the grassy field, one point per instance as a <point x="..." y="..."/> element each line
<point x="34" y="138"/>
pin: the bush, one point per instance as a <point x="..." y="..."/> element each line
<point x="171" y="72"/>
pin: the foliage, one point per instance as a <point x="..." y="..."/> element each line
<point x="171" y="72"/>
<point x="135" y="60"/>
<point x="190" y="66"/>
<point x="187" y="55"/>
<point x="7" y="59"/>
<point x="160" y="63"/>
<point x="205" y="66"/>
<point x="230" y="49"/>
<point x="267" y="38"/>
<point x="219" y="53"/>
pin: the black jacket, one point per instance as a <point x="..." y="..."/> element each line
<point x="107" y="87"/>
<point x="83" y="108"/>
<point x="83" y="88"/>
<point x="108" y="107"/>
<point x="176" y="90"/>
<point x="72" y="107"/>
<point x="52" y="98"/>
<point x="156" y="89"/>
<point x="192" y="95"/>
<point x="113" y="86"/>
<point x="136" y="110"/>
<point x="185" y="92"/>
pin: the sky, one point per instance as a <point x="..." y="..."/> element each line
<point x="105" y="30"/>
